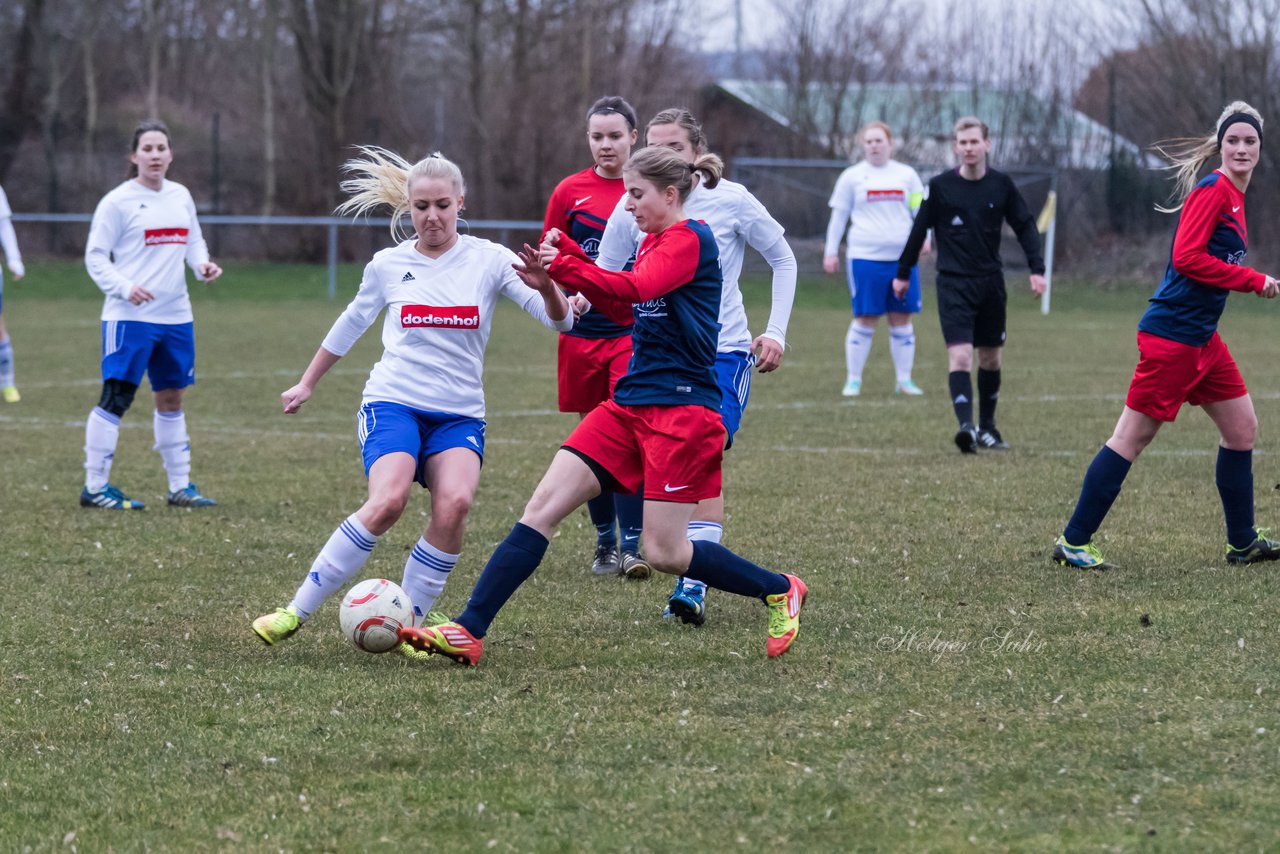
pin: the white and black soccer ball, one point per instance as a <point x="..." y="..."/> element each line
<point x="372" y="612"/>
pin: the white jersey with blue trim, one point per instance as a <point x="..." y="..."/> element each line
<point x="141" y="236"/>
<point x="439" y="313"/>
<point x="736" y="218"/>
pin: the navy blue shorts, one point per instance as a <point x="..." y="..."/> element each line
<point x="387" y="428"/>
<point x="733" y="371"/>
<point x="871" y="289"/>
<point x="165" y="352"/>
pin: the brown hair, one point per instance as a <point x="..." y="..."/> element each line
<point x="683" y="118"/>
<point x="664" y="168"/>
<point x="145" y="127"/>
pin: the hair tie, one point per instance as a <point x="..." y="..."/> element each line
<point x="1236" y="118"/>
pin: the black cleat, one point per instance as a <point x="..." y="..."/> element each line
<point x="990" y="440"/>
<point x="967" y="439"/>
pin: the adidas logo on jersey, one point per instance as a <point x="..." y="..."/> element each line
<point x="440" y="317"/>
<point x="408" y="277"/>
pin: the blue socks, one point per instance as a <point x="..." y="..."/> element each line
<point x="961" y="385"/>
<point x="1235" y="484"/>
<point x="720" y="568"/>
<point x="630" y="510"/>
<point x="600" y="509"/>
<point x="1102" y="482"/>
<point x="513" y="561"/>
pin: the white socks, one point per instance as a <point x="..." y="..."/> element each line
<point x="425" y="573"/>
<point x="857" y="346"/>
<point x="174" y="446"/>
<point x="6" y="363"/>
<point x="710" y="532"/>
<point x="101" y="433"/>
<point x="341" y="558"/>
<point x="902" y="345"/>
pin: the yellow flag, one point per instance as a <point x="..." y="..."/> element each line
<point x="1049" y="213"/>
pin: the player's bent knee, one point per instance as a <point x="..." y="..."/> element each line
<point x="451" y="510"/>
<point x="117" y="396"/>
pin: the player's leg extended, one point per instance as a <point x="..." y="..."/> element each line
<point x="348" y="547"/>
<point x="452" y="476"/>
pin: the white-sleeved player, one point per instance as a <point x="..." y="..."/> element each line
<point x="422" y="416"/>
<point x="877" y="198"/>
<point x="8" y="242"/>
<point x="738" y="219"/>
<point x="142" y="233"/>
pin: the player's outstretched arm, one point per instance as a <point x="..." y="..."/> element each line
<point x="293" y="398"/>
<point x="535" y="276"/>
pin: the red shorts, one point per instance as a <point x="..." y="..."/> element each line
<point x="588" y="369"/>
<point x="674" y="450"/>
<point x="1170" y="373"/>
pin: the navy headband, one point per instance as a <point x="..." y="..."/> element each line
<point x="1236" y="118"/>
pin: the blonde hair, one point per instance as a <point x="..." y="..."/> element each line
<point x="681" y="117"/>
<point x="663" y="168"/>
<point x="1186" y="155"/>
<point x="862" y="131"/>
<point x="382" y="177"/>
<point x="967" y="122"/>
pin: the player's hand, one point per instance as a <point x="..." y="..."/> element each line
<point x="293" y="398"/>
<point x="138" y="295"/>
<point x="18" y="271"/>
<point x="552" y="237"/>
<point x="580" y="305"/>
<point x="830" y="263"/>
<point x="210" y="272"/>
<point x="531" y="271"/>
<point x="1270" y="289"/>
<point x="770" y="354"/>
<point x="1037" y="284"/>
<point x="900" y="287"/>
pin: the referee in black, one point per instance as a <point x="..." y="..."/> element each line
<point x="966" y="207"/>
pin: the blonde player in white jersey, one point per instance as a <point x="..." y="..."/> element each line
<point x="738" y="219"/>
<point x="12" y="255"/>
<point x="142" y="233"/>
<point x="422" y="416"/>
<point x="877" y="198"/>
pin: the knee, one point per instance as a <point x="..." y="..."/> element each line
<point x="666" y="555"/>
<point x="1241" y="435"/>
<point x="385" y="510"/>
<point x="117" y="396"/>
<point x="450" y="509"/>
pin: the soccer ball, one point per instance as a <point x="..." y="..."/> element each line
<point x="371" y="613"/>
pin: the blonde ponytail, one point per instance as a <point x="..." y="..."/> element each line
<point x="1187" y="155"/>
<point x="382" y="177"/>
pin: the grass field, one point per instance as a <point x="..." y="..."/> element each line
<point x="950" y="690"/>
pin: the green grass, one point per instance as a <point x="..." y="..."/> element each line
<point x="137" y="711"/>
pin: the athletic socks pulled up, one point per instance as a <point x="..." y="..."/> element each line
<point x="6" y="363"/>
<point x="1234" y="476"/>
<point x="601" y="511"/>
<point x="101" y="434"/>
<point x="630" y="512"/>
<point x="1102" y="482"/>
<point x="720" y="568"/>
<point x="988" y="394"/>
<point x="425" y="574"/>
<point x="961" y="385"/>
<point x="174" y="446"/>
<point x="340" y="559"/>
<point x="902" y="347"/>
<point x="857" y="347"/>
<point x="511" y="563"/>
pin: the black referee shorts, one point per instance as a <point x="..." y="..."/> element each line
<point x="972" y="309"/>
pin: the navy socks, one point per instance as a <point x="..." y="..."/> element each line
<point x="1102" y="482"/>
<point x="513" y="561"/>
<point x="1235" y="484"/>
<point x="717" y="567"/>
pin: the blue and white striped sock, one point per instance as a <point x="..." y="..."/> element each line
<point x="341" y="558"/>
<point x="425" y="573"/>
<point x="174" y="446"/>
<point x="101" y="433"/>
<point x="6" y="363"/>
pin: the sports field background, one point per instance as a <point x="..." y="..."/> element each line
<point x="950" y="688"/>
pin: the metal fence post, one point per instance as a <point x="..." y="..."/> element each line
<point x="333" y="260"/>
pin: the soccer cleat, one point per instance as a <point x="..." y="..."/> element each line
<point x="190" y="497"/>
<point x="967" y="439"/>
<point x="448" y="639"/>
<point x="413" y="654"/>
<point x="606" y="562"/>
<point x="11" y="394"/>
<point x="784" y="616"/>
<point x="275" y="627"/>
<point x="852" y="388"/>
<point x="1081" y="557"/>
<point x="909" y="388"/>
<point x="1262" y="548"/>
<point x="633" y="566"/>
<point x="109" y="498"/>
<point x="990" y="440"/>
<point x="687" y="602"/>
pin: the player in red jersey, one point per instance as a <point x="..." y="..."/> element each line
<point x="594" y="354"/>
<point x="1182" y="358"/>
<point x="663" y="426"/>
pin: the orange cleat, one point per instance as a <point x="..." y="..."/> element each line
<point x="784" y="616"/>
<point x="447" y="639"/>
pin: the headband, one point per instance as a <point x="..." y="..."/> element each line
<point x="1236" y="118"/>
<point x="600" y="111"/>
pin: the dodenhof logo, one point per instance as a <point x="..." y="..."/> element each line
<point x="440" y="317"/>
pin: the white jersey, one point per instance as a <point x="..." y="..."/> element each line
<point x="737" y="218"/>
<point x="879" y="200"/>
<point x="142" y="237"/>
<point x="439" y="311"/>
<point x="8" y="239"/>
